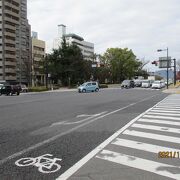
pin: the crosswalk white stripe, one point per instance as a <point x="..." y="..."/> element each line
<point x="142" y="146"/>
<point x="167" y="108"/>
<point x="175" y="106"/>
<point x="166" y="111"/>
<point x="170" y="104"/>
<point x="157" y="128"/>
<point x="152" y="136"/>
<point x="139" y="163"/>
<point x="161" y="117"/>
<point x="166" y="114"/>
<point x="160" y="121"/>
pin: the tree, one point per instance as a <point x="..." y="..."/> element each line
<point x="67" y="65"/>
<point x="122" y="63"/>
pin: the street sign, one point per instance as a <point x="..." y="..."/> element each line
<point x="94" y="65"/>
<point x="164" y="63"/>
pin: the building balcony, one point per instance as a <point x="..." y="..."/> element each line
<point x="11" y="13"/>
<point x="10" y="34"/>
<point x="11" y="5"/>
<point x="10" y="78"/>
<point x="10" y="48"/>
<point x="10" y="63"/>
<point x="10" y="70"/>
<point x="10" y="56"/>
<point x="9" y="27"/>
<point x="1" y="71"/>
<point x="10" y="41"/>
<point x="11" y="20"/>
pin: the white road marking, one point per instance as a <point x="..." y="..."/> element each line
<point x="92" y="115"/>
<point x="157" y="121"/>
<point x="165" y="114"/>
<point x="157" y="128"/>
<point x="162" y="117"/>
<point x="89" y="156"/>
<point x="142" y="146"/>
<point x="165" y="111"/>
<point x="44" y="163"/>
<point x="152" y="136"/>
<point x="69" y="131"/>
<point x="77" y="122"/>
<point x="139" y="163"/>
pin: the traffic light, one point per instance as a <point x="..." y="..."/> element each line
<point x="155" y="62"/>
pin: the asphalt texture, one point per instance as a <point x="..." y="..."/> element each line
<point x="67" y="125"/>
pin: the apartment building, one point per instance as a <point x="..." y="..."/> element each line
<point x="87" y="48"/>
<point x="14" y="29"/>
<point x="38" y="55"/>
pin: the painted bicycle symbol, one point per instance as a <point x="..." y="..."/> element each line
<point x="44" y="163"/>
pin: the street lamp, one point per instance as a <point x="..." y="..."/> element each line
<point x="159" y="50"/>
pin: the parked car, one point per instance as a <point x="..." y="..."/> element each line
<point x="127" y="84"/>
<point x="88" y="87"/>
<point x="146" y="84"/>
<point x="157" y="85"/>
<point x="137" y="83"/>
<point x="163" y="84"/>
<point x="10" y="90"/>
<point x="24" y="88"/>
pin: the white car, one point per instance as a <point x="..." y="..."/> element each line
<point x="146" y="84"/>
<point x="157" y="85"/>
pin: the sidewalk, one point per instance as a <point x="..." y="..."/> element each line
<point x="173" y="89"/>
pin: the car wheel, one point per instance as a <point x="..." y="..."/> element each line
<point x="17" y="93"/>
<point x="83" y="90"/>
<point x="96" y="89"/>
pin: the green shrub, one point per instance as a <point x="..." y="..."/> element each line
<point x="103" y="86"/>
<point x="38" y="89"/>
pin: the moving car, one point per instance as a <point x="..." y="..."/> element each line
<point x="127" y="84"/>
<point x="88" y="87"/>
<point x="157" y="85"/>
<point x="10" y="90"/>
<point x="146" y="84"/>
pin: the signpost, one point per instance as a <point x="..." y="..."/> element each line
<point x="164" y="63"/>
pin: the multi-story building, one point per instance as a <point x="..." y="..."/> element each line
<point x="38" y="55"/>
<point x="23" y="46"/>
<point x="87" y="48"/>
<point x="13" y="40"/>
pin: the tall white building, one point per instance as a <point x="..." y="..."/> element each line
<point x="87" y="48"/>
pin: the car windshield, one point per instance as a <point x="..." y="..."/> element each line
<point x="156" y="82"/>
<point x="126" y="82"/>
<point x="145" y="81"/>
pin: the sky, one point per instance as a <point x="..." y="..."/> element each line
<point x="141" y="25"/>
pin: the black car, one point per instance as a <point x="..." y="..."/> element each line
<point x="127" y="84"/>
<point x="10" y="90"/>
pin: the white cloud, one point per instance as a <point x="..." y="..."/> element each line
<point x="143" y="26"/>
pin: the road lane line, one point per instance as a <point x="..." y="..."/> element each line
<point x="162" y="117"/>
<point x="69" y="131"/>
<point x="157" y="128"/>
<point x="139" y="163"/>
<point x="158" y="121"/>
<point x="152" y="136"/>
<point x="77" y="122"/>
<point x="142" y="146"/>
<point x="89" y="156"/>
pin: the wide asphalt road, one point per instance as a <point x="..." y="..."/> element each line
<point x="67" y="125"/>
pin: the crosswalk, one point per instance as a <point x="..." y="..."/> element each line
<point x="158" y="130"/>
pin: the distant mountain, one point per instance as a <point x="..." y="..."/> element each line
<point x="163" y="74"/>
